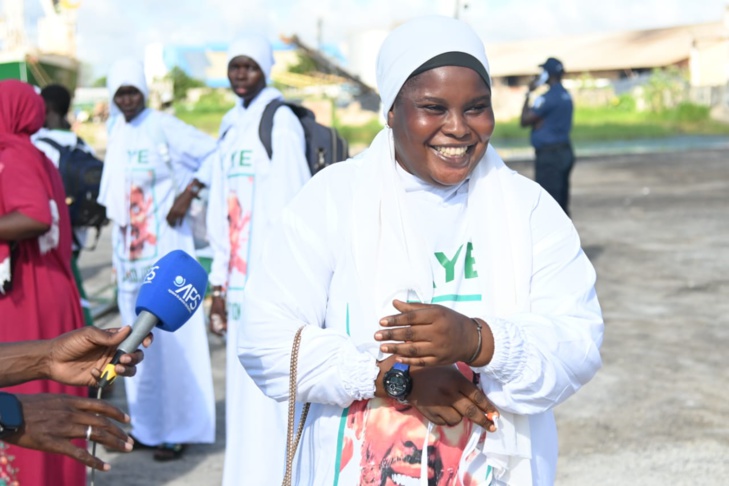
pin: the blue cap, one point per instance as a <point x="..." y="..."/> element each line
<point x="553" y="66"/>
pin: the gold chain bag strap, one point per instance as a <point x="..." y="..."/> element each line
<point x="291" y="442"/>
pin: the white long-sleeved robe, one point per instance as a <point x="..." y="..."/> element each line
<point x="247" y="193"/>
<point x="542" y="356"/>
<point x="171" y="397"/>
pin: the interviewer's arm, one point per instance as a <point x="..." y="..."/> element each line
<point x="73" y="358"/>
<point x="22" y="361"/>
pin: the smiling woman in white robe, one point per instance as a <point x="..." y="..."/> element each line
<point x="426" y="237"/>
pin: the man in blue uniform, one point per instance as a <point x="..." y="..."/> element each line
<point x="550" y="118"/>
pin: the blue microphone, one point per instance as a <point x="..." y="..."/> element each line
<point x="170" y="294"/>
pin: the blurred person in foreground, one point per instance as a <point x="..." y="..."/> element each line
<point x="447" y="306"/>
<point x="152" y="171"/>
<point x="57" y="128"/>
<point x="51" y="422"/>
<point x="550" y="118"/>
<point x="38" y="295"/>
<point x="247" y="193"/>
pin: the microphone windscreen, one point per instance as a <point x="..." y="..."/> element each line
<point x="173" y="289"/>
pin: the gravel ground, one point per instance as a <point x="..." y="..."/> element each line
<point x="656" y="227"/>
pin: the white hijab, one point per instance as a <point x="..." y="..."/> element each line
<point x="112" y="191"/>
<point x="417" y="41"/>
<point x="257" y="48"/>
<point x="126" y="72"/>
<point x="389" y="254"/>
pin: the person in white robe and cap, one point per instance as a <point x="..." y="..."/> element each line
<point x="154" y="167"/>
<point x="247" y="194"/>
<point x="446" y="303"/>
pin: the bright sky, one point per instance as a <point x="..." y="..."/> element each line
<point x="108" y="29"/>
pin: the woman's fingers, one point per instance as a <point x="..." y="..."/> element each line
<point x="474" y="405"/>
<point x="475" y="413"/>
<point x="408" y="333"/>
<point x="445" y="396"/>
<point x="410" y="314"/>
<point x="414" y="352"/>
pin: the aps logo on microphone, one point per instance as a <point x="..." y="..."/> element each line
<point x="151" y="273"/>
<point x="186" y="293"/>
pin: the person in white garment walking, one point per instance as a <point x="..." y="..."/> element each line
<point x="152" y="171"/>
<point x="247" y="193"/>
<point x="445" y="303"/>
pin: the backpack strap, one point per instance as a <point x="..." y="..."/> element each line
<point x="53" y="144"/>
<point x="265" y="128"/>
<point x="79" y="144"/>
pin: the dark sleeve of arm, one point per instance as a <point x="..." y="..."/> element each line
<point x="531" y="115"/>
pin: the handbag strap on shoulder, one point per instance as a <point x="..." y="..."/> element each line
<point x="292" y="442"/>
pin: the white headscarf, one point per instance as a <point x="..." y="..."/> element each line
<point x="257" y="48"/>
<point x="126" y="72"/>
<point x="417" y="41"/>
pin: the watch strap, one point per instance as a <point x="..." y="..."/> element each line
<point x="401" y="367"/>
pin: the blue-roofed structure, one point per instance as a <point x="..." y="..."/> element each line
<point x="208" y="62"/>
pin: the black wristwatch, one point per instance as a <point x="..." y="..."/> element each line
<point x="11" y="415"/>
<point x="398" y="382"/>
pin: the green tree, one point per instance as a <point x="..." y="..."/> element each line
<point x="99" y="82"/>
<point x="665" y="88"/>
<point x="182" y="82"/>
<point x="305" y="65"/>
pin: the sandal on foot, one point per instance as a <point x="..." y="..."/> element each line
<point x="169" y="452"/>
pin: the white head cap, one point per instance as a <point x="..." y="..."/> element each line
<point x="257" y="48"/>
<point x="126" y="72"/>
<point x="417" y="41"/>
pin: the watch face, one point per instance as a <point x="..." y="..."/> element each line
<point x="397" y="383"/>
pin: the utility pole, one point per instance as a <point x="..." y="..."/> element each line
<point x="457" y="12"/>
<point x="319" y="29"/>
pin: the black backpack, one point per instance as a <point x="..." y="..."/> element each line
<point x="81" y="174"/>
<point x="324" y="146"/>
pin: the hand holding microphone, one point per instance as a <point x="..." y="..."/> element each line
<point x="77" y="357"/>
<point x="170" y="294"/>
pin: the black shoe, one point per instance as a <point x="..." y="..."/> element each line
<point x="169" y="452"/>
<point x="139" y="445"/>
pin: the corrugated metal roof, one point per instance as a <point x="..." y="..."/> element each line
<point x="604" y="51"/>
